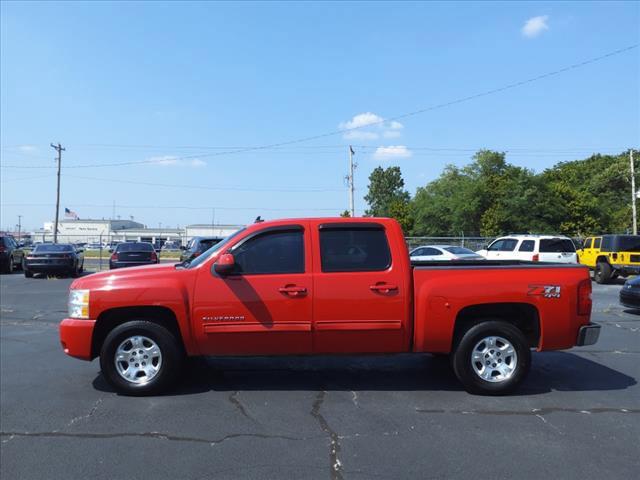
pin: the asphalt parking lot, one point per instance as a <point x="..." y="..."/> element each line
<point x="577" y="416"/>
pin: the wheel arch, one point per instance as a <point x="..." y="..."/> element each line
<point x="524" y="316"/>
<point x="110" y="319"/>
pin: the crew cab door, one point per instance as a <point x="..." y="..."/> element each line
<point x="361" y="295"/>
<point x="264" y="305"/>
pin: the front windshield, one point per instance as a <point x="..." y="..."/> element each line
<point x="205" y="255"/>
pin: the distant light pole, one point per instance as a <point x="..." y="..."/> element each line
<point x="19" y="226"/>
<point x="633" y="193"/>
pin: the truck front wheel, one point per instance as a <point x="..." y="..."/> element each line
<point x="140" y="358"/>
<point x="492" y="358"/>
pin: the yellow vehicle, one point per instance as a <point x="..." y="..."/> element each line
<point x="610" y="256"/>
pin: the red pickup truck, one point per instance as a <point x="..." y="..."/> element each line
<point x="326" y="286"/>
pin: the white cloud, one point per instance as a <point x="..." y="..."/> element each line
<point x="535" y="26"/>
<point x="391" y="152"/>
<point x="170" y="160"/>
<point x="28" y="148"/>
<point x="369" y="126"/>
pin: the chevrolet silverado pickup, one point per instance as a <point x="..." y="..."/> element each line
<point x="326" y="286"/>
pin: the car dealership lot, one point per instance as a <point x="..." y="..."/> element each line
<point x="577" y="416"/>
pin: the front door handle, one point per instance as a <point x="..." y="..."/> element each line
<point x="293" y="291"/>
<point x="383" y="287"/>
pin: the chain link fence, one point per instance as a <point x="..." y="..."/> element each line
<point x="472" y="243"/>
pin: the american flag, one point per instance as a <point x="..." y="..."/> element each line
<point x="70" y="214"/>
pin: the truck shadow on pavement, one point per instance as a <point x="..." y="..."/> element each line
<point x="559" y="371"/>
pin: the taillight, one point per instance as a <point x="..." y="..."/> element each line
<point x="584" y="297"/>
<point x="114" y="257"/>
<point x="154" y="257"/>
<point x="535" y="258"/>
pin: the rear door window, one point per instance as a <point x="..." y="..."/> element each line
<point x="354" y="249"/>
<point x="556" y="245"/>
<point x="587" y="243"/>
<point x="596" y="242"/>
<point x="432" y="252"/>
<point x="527" y="246"/>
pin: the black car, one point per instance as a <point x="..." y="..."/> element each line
<point x="54" y="258"/>
<point x="197" y="246"/>
<point x="133" y="254"/>
<point x="11" y="254"/>
<point x="630" y="293"/>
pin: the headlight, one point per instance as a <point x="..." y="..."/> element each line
<point x="79" y="303"/>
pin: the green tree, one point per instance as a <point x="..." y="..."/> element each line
<point x="345" y="214"/>
<point x="388" y="198"/>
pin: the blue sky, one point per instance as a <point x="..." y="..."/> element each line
<point x="158" y="82"/>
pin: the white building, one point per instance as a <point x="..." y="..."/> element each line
<point x="106" y="231"/>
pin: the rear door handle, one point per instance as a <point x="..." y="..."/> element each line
<point x="293" y="291"/>
<point x="383" y="287"/>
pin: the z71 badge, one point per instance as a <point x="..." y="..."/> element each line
<point x="546" y="291"/>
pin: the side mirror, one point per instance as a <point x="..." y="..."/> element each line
<point x="224" y="264"/>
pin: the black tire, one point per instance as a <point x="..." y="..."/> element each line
<point x="10" y="266"/>
<point x="462" y="358"/>
<point x="75" y="273"/>
<point x="27" y="273"/>
<point x="169" y="346"/>
<point x="602" y="273"/>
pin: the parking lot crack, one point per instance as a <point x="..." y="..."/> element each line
<point x="335" y="468"/>
<point x="150" y="435"/>
<point x="538" y="412"/>
<point x="88" y="415"/>
<point x="234" y="398"/>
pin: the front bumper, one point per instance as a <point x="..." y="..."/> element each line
<point x="76" y="337"/>
<point x="630" y="298"/>
<point x="588" y="334"/>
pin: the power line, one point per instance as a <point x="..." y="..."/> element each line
<point x="432" y="151"/>
<point x="209" y="187"/>
<point x="389" y="119"/>
<point x="181" y="207"/>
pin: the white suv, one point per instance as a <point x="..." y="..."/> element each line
<point x="536" y="248"/>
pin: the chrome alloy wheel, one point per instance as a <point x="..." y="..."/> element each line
<point x="494" y="359"/>
<point x="138" y="359"/>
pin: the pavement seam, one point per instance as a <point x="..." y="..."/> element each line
<point x="151" y="435"/>
<point x="335" y="467"/>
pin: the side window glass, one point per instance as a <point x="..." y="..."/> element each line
<point x="271" y="252"/>
<point x="496" y="246"/>
<point x="354" y="249"/>
<point x="509" y="245"/>
<point x="527" y="246"/>
<point x="596" y="242"/>
<point x="433" y="252"/>
<point x="587" y="243"/>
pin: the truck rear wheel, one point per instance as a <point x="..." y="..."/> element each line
<point x="140" y="358"/>
<point x="492" y="358"/>
<point x="602" y="273"/>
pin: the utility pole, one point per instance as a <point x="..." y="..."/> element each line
<point x="19" y="227"/>
<point x="633" y="193"/>
<point x="352" y="210"/>
<point x="58" y="148"/>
